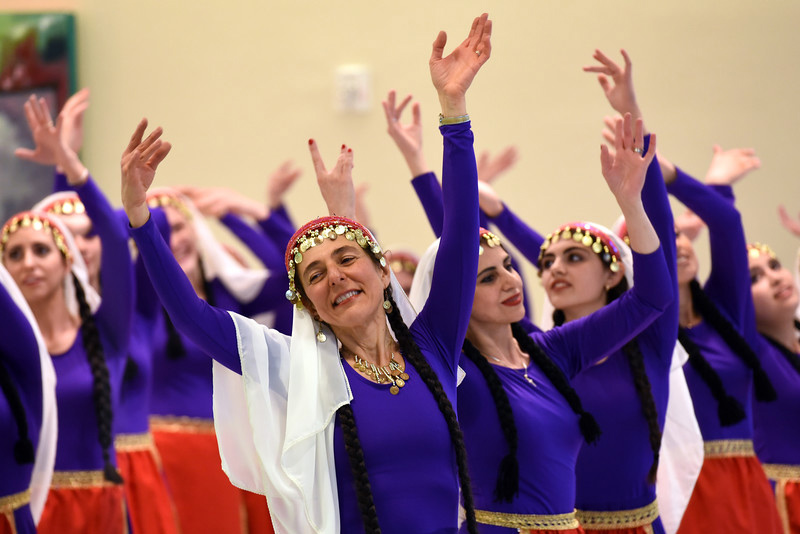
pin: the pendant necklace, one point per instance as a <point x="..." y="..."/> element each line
<point x="524" y="370"/>
<point x="393" y="373"/>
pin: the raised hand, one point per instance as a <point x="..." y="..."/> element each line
<point x="452" y="75"/>
<point x="72" y="128"/>
<point x="362" y="213"/>
<point x="138" y="165"/>
<point x="729" y="166"/>
<point x="793" y="225"/>
<point x="280" y="181"/>
<point x="490" y="168"/>
<point x="336" y="185"/>
<point x="219" y="201"/>
<point x="620" y="94"/>
<point x="689" y="224"/>
<point x="407" y="137"/>
<point x="51" y="148"/>
<point x="625" y="169"/>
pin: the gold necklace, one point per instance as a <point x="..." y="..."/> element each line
<point x="393" y="373"/>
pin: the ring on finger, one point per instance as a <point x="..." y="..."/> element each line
<point x="638" y="150"/>
<point x="478" y="52"/>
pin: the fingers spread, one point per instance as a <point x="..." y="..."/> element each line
<point x="316" y="158"/>
<point x="136" y="138"/>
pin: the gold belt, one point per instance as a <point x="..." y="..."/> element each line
<point x="134" y="442"/>
<point x="191" y="425"/>
<point x="527" y="521"/>
<point x="728" y="448"/>
<point x="782" y="472"/>
<point x="9" y="503"/>
<point x="640" y="517"/>
<point x="79" y="480"/>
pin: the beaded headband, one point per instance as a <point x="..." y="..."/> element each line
<point x="402" y="261"/>
<point x="69" y="205"/>
<point x="589" y="236"/>
<point x="489" y="238"/>
<point x="39" y="222"/>
<point x="162" y="198"/>
<point x="754" y="250"/>
<point x="314" y="233"/>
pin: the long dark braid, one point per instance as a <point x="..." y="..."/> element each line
<point x="23" y="448"/>
<point x="101" y="384"/>
<point x="507" y="486"/>
<point x="414" y="356"/>
<point x="764" y="391"/>
<point x="641" y="382"/>
<point x="586" y="421"/>
<point x="358" y="468"/>
<point x="729" y="409"/>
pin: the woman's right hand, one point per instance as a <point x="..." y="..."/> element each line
<point x="452" y="75"/>
<point x="407" y="137"/>
<point x="336" y="185"/>
<point x="139" y="163"/>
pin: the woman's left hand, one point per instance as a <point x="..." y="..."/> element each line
<point x="336" y="185"/>
<point x="625" y="169"/>
<point x="452" y="75"/>
<point x="139" y="163"/>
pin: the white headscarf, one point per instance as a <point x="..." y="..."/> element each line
<point x="46" y="449"/>
<point x="243" y="283"/>
<point x="274" y="423"/>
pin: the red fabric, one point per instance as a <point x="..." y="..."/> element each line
<point x="96" y="510"/>
<point x="205" y="500"/>
<point x="258" y="519"/>
<point x="150" y="507"/>
<point x="732" y="495"/>
<point x="791" y="490"/>
<point x="633" y="530"/>
<point x="570" y="531"/>
<point x="6" y="524"/>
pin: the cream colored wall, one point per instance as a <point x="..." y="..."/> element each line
<point x="239" y="86"/>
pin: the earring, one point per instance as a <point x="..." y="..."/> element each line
<point x="321" y="337"/>
<point x="387" y="304"/>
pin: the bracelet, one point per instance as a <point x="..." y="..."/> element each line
<point x="452" y="120"/>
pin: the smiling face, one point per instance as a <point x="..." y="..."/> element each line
<point x="182" y="240"/>
<point x="498" y="292"/>
<point x="775" y="295"/>
<point x="575" y="279"/>
<point x="686" y="259"/>
<point x="341" y="283"/>
<point x="36" y="264"/>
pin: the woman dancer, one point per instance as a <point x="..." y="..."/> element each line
<point x="350" y="445"/>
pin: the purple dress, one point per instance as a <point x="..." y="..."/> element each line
<point x="19" y="356"/>
<point x="407" y="447"/>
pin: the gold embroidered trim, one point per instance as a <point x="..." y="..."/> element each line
<point x="728" y="448"/>
<point x="134" y="442"/>
<point x="9" y="503"/>
<point x="192" y="425"/>
<point x="783" y="472"/>
<point x="527" y="521"/>
<point x="79" y="480"/>
<point x="640" y="517"/>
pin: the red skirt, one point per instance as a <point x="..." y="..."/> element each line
<point x="636" y="521"/>
<point x="205" y="500"/>
<point x="149" y="504"/>
<point x="15" y="514"/>
<point x="787" y="494"/>
<point x="83" y="502"/>
<point x="732" y="494"/>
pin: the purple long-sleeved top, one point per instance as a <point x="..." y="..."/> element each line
<point x="549" y="436"/>
<point x="407" y="448"/>
<point x="78" y="447"/>
<point x="728" y="286"/>
<point x="19" y="354"/>
<point x="777" y="431"/>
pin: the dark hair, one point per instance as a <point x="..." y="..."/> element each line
<point x="101" y="387"/>
<point x="790" y="355"/>
<point x="641" y="382"/>
<point x="507" y="486"/>
<point x="355" y="453"/>
<point x="23" y="448"/>
<point x="764" y="391"/>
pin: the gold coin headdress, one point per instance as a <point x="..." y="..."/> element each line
<point x="589" y="236"/>
<point x="38" y="221"/>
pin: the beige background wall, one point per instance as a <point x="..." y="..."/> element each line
<point x="239" y="86"/>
